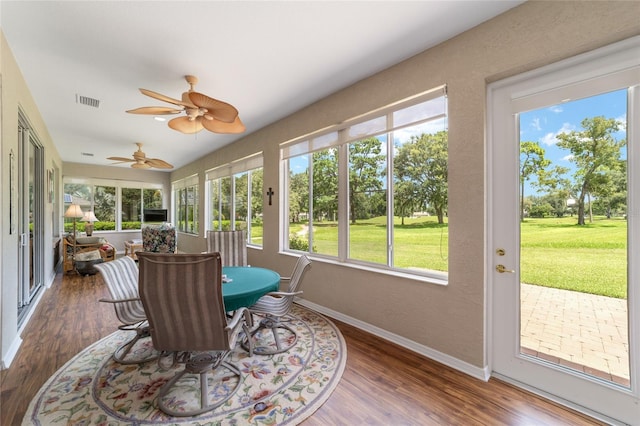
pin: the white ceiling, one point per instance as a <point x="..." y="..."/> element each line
<point x="267" y="58"/>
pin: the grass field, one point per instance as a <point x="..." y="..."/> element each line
<point x="554" y="252"/>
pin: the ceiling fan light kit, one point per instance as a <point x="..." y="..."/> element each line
<point x="201" y="111"/>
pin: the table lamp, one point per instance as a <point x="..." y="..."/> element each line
<point x="74" y="211"/>
<point x="89" y="217"/>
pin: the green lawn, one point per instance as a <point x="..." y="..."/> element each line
<point x="554" y="253"/>
<point x="591" y="259"/>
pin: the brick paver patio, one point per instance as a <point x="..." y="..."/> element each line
<point x="581" y="331"/>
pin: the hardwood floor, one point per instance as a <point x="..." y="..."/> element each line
<point x="383" y="384"/>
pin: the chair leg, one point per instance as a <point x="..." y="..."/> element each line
<point x="273" y="324"/>
<point x="200" y="365"/>
<point x="120" y="354"/>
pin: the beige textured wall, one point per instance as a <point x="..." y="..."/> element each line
<point x="13" y="94"/>
<point x="449" y="319"/>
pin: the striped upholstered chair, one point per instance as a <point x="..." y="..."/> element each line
<point x="273" y="335"/>
<point x="232" y="246"/>
<point x="121" y="278"/>
<point x="182" y="296"/>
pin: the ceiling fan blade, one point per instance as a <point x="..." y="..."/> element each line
<point x="121" y="159"/>
<point x="184" y="125"/>
<point x="158" y="163"/>
<point x="140" y="166"/>
<point x="154" y="110"/>
<point x="164" y="98"/>
<point x="217" y="126"/>
<point x="217" y="109"/>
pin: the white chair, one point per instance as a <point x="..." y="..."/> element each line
<point x="121" y="278"/>
<point x="232" y="246"/>
<point x="274" y="306"/>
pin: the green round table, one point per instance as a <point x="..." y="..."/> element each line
<point x="248" y="284"/>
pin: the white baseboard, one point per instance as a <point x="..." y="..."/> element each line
<point x="11" y="353"/>
<point x="462" y="366"/>
<point x="17" y="342"/>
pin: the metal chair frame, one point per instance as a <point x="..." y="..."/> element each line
<point x="274" y="306"/>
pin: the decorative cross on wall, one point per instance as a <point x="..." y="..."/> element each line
<point x="270" y="194"/>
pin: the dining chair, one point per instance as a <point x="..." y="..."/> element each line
<point x="121" y="279"/>
<point x="182" y="295"/>
<point x="273" y="307"/>
<point x="232" y="246"/>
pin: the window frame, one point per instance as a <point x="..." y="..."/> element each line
<point x="337" y="136"/>
<point x="248" y="165"/>
<point x="187" y="184"/>
<point x="118" y="185"/>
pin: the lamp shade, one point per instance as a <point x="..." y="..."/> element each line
<point x="74" y="211"/>
<point x="89" y="217"/>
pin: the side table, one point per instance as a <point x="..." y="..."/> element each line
<point x="131" y="247"/>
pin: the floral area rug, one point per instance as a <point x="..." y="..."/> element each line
<point x="286" y="388"/>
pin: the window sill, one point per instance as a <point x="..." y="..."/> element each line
<point x="443" y="280"/>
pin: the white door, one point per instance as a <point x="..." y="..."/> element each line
<point x="541" y="271"/>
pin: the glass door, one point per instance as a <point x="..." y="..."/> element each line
<point x="30" y="218"/>
<point x="563" y="231"/>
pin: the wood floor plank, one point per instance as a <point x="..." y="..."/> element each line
<point x="383" y="384"/>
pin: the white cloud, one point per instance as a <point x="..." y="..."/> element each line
<point x="557" y="109"/>
<point x="550" y="138"/>
<point x="536" y="124"/>
<point x="622" y="121"/>
<point x="567" y="157"/>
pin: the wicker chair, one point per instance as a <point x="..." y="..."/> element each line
<point x="274" y="306"/>
<point x="182" y="295"/>
<point x="121" y="278"/>
<point x="232" y="246"/>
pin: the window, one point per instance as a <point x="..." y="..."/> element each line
<point x="185" y="196"/>
<point x="104" y="206"/>
<point x="104" y="198"/>
<point x="235" y="198"/>
<point x="131" y="208"/>
<point x="373" y="190"/>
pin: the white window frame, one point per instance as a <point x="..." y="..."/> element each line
<point x="118" y="184"/>
<point x="229" y="170"/>
<point x="337" y="136"/>
<point x="188" y="182"/>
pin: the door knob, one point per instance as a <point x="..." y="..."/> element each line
<point x="502" y="269"/>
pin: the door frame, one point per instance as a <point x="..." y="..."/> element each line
<point x="504" y="99"/>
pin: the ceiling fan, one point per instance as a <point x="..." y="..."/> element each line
<point x="140" y="160"/>
<point x="202" y="112"/>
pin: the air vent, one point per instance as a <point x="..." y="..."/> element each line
<point x="85" y="100"/>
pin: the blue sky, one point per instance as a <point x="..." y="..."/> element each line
<point x="542" y="125"/>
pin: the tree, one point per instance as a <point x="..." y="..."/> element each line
<point x="558" y="188"/>
<point x="595" y="152"/>
<point x="325" y="184"/>
<point x="532" y="162"/>
<point x="366" y="170"/>
<point x="298" y="195"/>
<point x="404" y="203"/>
<point x="423" y="161"/>
<point x="610" y="190"/>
